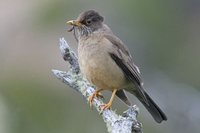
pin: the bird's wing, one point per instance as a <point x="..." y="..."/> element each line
<point x="123" y="59"/>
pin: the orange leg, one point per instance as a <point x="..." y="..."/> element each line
<point x="95" y="94"/>
<point x="108" y="105"/>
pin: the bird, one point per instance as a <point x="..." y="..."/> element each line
<point x="106" y="63"/>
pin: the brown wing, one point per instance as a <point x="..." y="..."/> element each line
<point x="123" y="59"/>
<point x="123" y="54"/>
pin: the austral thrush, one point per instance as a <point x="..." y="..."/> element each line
<point x="106" y="62"/>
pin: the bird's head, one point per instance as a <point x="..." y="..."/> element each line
<point x="87" y="22"/>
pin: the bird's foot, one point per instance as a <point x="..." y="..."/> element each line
<point x="109" y="104"/>
<point x="91" y="98"/>
<point x="106" y="106"/>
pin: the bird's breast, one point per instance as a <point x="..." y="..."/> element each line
<point x="97" y="65"/>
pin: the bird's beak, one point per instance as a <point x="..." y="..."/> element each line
<point x="74" y="23"/>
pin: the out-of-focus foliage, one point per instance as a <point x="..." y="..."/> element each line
<point x="163" y="37"/>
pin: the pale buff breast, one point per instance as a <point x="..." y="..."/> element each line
<point x="97" y="65"/>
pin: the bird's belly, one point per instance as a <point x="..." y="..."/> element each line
<point x="102" y="71"/>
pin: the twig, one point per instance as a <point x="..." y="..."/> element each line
<point x="73" y="78"/>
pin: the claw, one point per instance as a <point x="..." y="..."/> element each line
<point x="109" y="104"/>
<point x="95" y="94"/>
<point x="106" y="106"/>
<point x="91" y="98"/>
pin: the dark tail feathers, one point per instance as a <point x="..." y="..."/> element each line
<point x="153" y="109"/>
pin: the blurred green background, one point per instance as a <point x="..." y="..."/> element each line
<point x="163" y="36"/>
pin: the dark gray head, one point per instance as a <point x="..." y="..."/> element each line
<point x="87" y="22"/>
<point x="91" y="19"/>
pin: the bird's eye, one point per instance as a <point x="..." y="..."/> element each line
<point x="88" y="22"/>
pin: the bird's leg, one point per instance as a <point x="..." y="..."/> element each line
<point x="95" y="94"/>
<point x="108" y="105"/>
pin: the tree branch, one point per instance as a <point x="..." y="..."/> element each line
<point x="73" y="78"/>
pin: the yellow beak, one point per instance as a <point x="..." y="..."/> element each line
<point x="74" y="23"/>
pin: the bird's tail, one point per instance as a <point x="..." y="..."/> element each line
<point x="153" y="109"/>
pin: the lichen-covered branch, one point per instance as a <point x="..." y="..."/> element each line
<point x="127" y="123"/>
